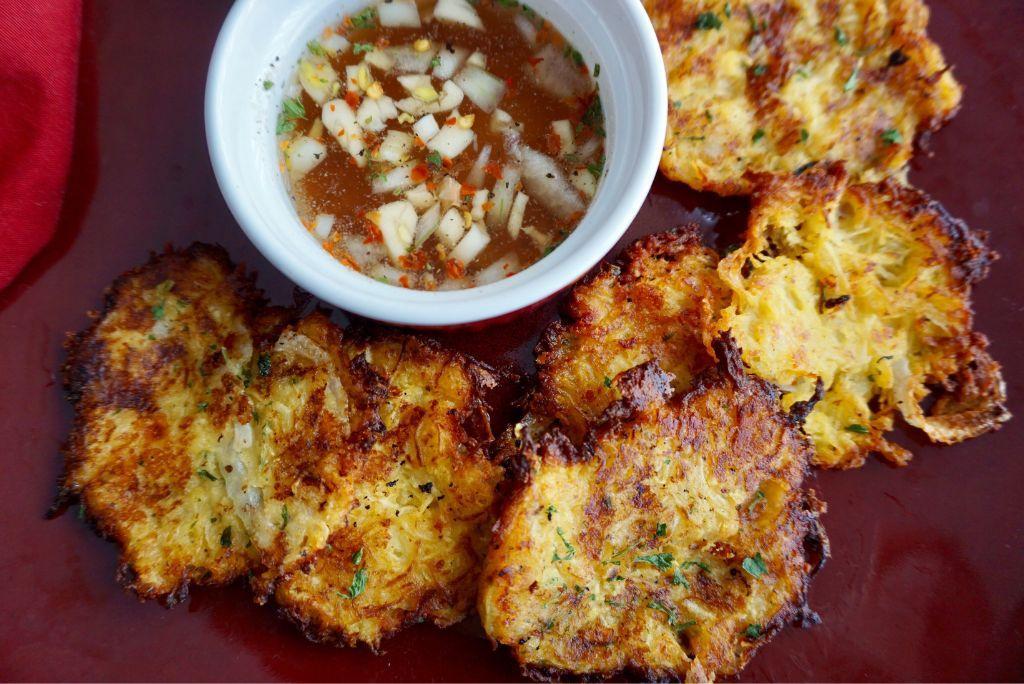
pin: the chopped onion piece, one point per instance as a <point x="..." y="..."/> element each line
<point x="448" y="62"/>
<point x="503" y="194"/>
<point x="451" y="141"/>
<point x="501" y="121"/>
<point x="393" y="13"/>
<point x="380" y="59"/>
<point x="475" y="177"/>
<point x="317" y="77"/>
<point x="352" y="78"/>
<point x="335" y="44"/>
<point x="451" y="97"/>
<point x="526" y="28"/>
<point x="585" y="151"/>
<point x="482" y="87"/>
<point x="477" y="59"/>
<point x="584" y="181"/>
<point x="303" y="155"/>
<point x="409" y="61"/>
<point x="427" y="224"/>
<point x="548" y="185"/>
<point x="420" y="197"/>
<point x="451" y="228"/>
<point x="426" y="128"/>
<point x="340" y="121"/>
<point x="516" y="214"/>
<point x="373" y="115"/>
<point x="557" y="74"/>
<point x="415" y="82"/>
<point x="397" y="223"/>
<point x="363" y="253"/>
<point x="322" y="226"/>
<point x="538" y="237"/>
<point x="395" y="147"/>
<point x="566" y="142"/>
<point x="386" y="273"/>
<point x="471" y="244"/>
<point x="502" y="268"/>
<point x="479" y="199"/>
<point x="449" y="191"/>
<point x="458" y="12"/>
<point x="398" y="178"/>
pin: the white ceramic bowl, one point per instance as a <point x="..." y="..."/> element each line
<point x="261" y="40"/>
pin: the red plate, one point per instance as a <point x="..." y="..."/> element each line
<point x="927" y="577"/>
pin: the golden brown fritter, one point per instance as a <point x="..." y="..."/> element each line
<point x="384" y="522"/>
<point x="672" y="544"/>
<point x="156" y="382"/>
<point x="768" y="86"/>
<point x="867" y="290"/>
<point x="215" y="437"/>
<point x="656" y="304"/>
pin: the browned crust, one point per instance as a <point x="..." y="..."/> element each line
<point x="644" y="386"/>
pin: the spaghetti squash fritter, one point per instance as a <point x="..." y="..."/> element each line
<point x="864" y="289"/>
<point x="345" y="473"/>
<point x="156" y="383"/>
<point x="768" y="86"/>
<point x="655" y="304"/>
<point x="676" y="541"/>
<point x="384" y="526"/>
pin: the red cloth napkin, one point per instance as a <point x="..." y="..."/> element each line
<point x="39" y="42"/>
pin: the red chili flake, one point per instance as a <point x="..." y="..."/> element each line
<point x="534" y="61"/>
<point x="373" y="234"/>
<point x="413" y="262"/>
<point x="419" y="173"/>
<point x="404" y="281"/>
<point x="467" y="191"/>
<point x="494" y="170"/>
<point x="455" y="268"/>
<point x="352" y="99"/>
<point x="553" y="142"/>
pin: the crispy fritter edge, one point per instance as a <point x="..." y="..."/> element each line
<point x="639" y="386"/>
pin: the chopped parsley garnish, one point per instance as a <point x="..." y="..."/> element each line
<point x="678" y="578"/>
<point x="851" y="82"/>
<point x="758" y="134"/>
<point x="841" y="36"/>
<point x="596" y="168"/>
<point x="673" y="621"/>
<point x="892" y="136"/>
<point x="294" y="108"/>
<point x="804" y="135"/>
<point x="661" y="530"/>
<point x="435" y="61"/>
<point x="597" y="70"/>
<point x="755" y="565"/>
<point x="364" y="20"/>
<point x="570" y="550"/>
<point x="700" y="564"/>
<point x="758" y="69"/>
<point x="158" y="311"/>
<point x="753" y="631"/>
<point x="357" y="586"/>
<point x="708" y="20"/>
<point x="225" y="537"/>
<point x="362" y="47"/>
<point x="202" y="472"/>
<point x="593" y="116"/>
<point x="316" y="48"/>
<point x="263" y="365"/>
<point x="284" y="516"/>
<point x="728" y="11"/>
<point x="434" y="159"/>
<point x="357" y="557"/>
<point x="203" y="405"/>
<point x="858" y="428"/>
<point x="607" y="381"/>
<point x="758" y="498"/>
<point x="267" y="85"/>
<point x="551" y="511"/>
<point x="509" y="3"/>
<point x="662" y="561"/>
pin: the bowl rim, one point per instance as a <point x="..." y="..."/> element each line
<point x="432" y="309"/>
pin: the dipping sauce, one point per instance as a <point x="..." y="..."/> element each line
<point x="442" y="144"/>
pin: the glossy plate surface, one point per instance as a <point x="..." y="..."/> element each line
<point x="925" y="582"/>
